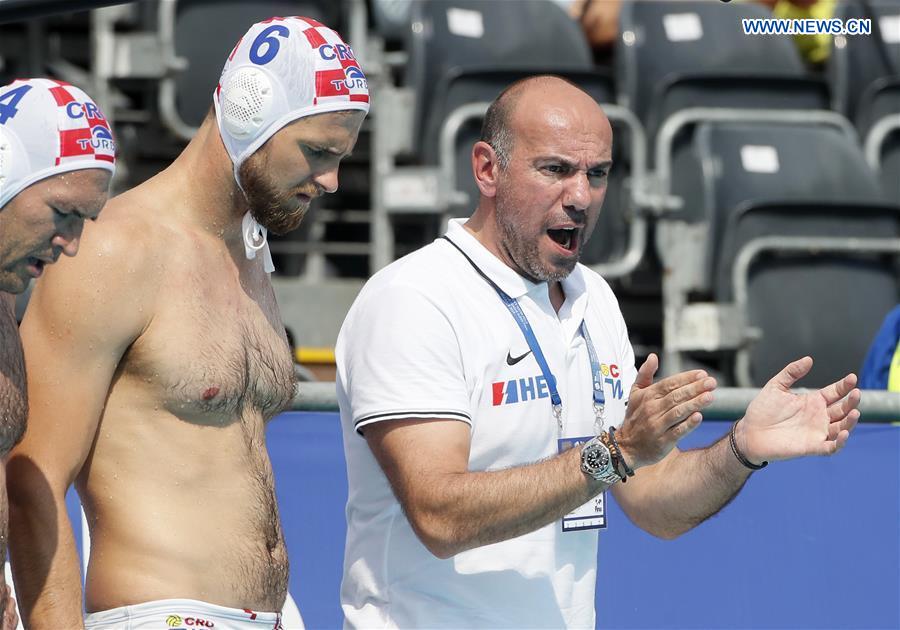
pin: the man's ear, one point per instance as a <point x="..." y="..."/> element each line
<point x="485" y="168"/>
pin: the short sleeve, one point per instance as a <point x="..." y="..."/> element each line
<point x="398" y="356"/>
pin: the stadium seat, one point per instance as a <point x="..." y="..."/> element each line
<point x="809" y="279"/>
<point x="878" y="121"/>
<point x="451" y="39"/>
<point x="752" y="163"/>
<point x="883" y="148"/>
<point x="186" y="97"/>
<point x="693" y="53"/>
<point x="744" y="181"/>
<point x="858" y="62"/>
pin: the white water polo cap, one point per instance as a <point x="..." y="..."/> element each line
<point x="283" y="69"/>
<point x="47" y="128"/>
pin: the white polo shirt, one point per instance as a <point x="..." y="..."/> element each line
<point x="428" y="337"/>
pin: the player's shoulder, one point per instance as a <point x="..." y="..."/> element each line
<point x="125" y="239"/>
<point x="117" y="254"/>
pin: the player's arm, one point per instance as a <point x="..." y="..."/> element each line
<point x="13" y="400"/>
<point x="13" y="411"/>
<point x="687" y="487"/>
<point x="83" y="315"/>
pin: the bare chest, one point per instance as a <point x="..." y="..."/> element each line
<point x="215" y="351"/>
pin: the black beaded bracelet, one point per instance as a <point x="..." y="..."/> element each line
<point x="734" y="449"/>
<point x="612" y="438"/>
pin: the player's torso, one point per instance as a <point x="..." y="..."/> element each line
<point x="179" y="485"/>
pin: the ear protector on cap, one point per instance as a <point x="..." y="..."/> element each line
<point x="246" y="102"/>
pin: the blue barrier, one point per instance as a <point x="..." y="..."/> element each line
<point x="812" y="543"/>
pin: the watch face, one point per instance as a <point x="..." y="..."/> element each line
<point x="602" y="458"/>
<point x="598" y="458"/>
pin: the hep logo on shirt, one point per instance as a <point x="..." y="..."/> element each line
<point x="534" y="387"/>
<point x="520" y="390"/>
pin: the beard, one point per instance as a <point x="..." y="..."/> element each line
<point x="276" y="210"/>
<point x="524" y="249"/>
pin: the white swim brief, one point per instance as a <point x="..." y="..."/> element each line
<point x="181" y="614"/>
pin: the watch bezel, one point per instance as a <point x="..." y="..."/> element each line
<point x="593" y="464"/>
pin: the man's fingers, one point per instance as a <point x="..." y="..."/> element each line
<point x="647" y="371"/>
<point x="837" y="390"/>
<point x="671" y="384"/>
<point x="847" y="423"/>
<point x="830" y="447"/>
<point x="682" y="412"/>
<point x="683" y="428"/>
<point x="690" y="390"/>
<point x="840" y="409"/>
<point x="792" y="373"/>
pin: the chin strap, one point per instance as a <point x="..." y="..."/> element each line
<point x="256" y="239"/>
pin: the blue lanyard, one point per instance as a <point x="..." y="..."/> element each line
<point x="599" y="398"/>
<point x="525" y="326"/>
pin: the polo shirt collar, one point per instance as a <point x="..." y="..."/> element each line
<point x="513" y="284"/>
<point x="573" y="309"/>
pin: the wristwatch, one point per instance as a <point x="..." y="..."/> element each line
<point x="597" y="462"/>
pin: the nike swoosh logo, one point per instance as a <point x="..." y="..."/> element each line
<point x="510" y="360"/>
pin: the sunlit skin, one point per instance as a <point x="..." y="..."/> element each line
<point x="45" y="221"/>
<point x="297" y="165"/>
<point x="556" y="180"/>
<point x="172" y="369"/>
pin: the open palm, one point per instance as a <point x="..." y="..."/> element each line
<point x="781" y="424"/>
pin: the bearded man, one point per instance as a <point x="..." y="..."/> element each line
<point x="159" y="355"/>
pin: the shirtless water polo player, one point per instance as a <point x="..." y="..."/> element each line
<point x="57" y="156"/>
<point x="159" y="354"/>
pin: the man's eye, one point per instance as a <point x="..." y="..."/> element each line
<point x="555" y="168"/>
<point x="316" y="153"/>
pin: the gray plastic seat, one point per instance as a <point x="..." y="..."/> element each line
<point x="693" y="53"/>
<point x="465" y="51"/>
<point x="206" y="54"/>
<point x="754" y="163"/>
<point x="812" y="301"/>
<point x="857" y="62"/>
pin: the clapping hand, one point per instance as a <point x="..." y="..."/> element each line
<point x="660" y="414"/>
<point x="781" y="424"/>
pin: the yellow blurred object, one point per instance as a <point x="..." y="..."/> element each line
<point x="314" y="355"/>
<point x="319" y="361"/>
<point x="894" y="374"/>
<point x="813" y="48"/>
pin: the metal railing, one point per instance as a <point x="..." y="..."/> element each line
<point x="729" y="402"/>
